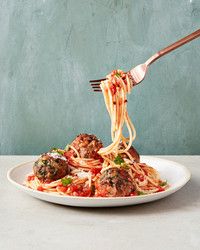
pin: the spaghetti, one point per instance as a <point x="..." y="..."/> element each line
<point x="96" y="171"/>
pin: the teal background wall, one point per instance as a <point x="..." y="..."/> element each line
<point x="50" y="49"/>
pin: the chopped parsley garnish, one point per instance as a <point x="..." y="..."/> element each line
<point x="66" y="181"/>
<point x="67" y="147"/>
<point x="118" y="160"/>
<point x="57" y="150"/>
<point x="117" y="74"/>
<point x="140" y="193"/>
<point x="164" y="183"/>
<point x="53" y="149"/>
<point x="125" y="166"/>
<point x="45" y="162"/>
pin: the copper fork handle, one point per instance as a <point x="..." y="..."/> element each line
<point x="173" y="46"/>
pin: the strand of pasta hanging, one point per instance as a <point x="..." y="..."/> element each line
<point x="115" y="89"/>
<point x="86" y="168"/>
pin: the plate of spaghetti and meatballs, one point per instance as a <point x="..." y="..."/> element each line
<point x="87" y="173"/>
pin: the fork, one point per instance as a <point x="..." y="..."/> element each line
<point x="138" y="73"/>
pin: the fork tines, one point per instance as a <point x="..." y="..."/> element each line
<point x="97" y="90"/>
<point x="99" y="80"/>
<point x="95" y="84"/>
<point x="96" y="87"/>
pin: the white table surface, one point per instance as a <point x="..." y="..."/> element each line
<point x="172" y="223"/>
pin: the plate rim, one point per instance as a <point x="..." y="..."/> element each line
<point x="169" y="191"/>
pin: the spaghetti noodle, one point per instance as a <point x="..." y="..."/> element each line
<point x="109" y="171"/>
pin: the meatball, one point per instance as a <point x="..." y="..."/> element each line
<point x="132" y="151"/>
<point x="50" y="167"/>
<point x="87" y="146"/>
<point x="114" y="182"/>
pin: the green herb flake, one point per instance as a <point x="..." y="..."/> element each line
<point x="66" y="181"/>
<point x="54" y="149"/>
<point x="60" y="151"/>
<point x="67" y="147"/>
<point x="117" y="74"/>
<point x="140" y="193"/>
<point x="44" y="162"/>
<point x="118" y="160"/>
<point x="125" y="166"/>
<point x="164" y="183"/>
<point x="57" y="150"/>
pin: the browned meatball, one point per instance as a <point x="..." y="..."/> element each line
<point x="50" y="167"/>
<point x="87" y="146"/>
<point x="134" y="154"/>
<point x="132" y="151"/>
<point x="114" y="182"/>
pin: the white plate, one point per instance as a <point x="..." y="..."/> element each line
<point x="176" y="174"/>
